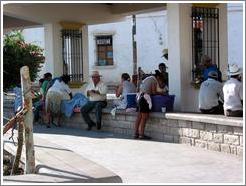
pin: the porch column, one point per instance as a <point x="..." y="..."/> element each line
<point x="85" y="38"/>
<point x="53" y="49"/>
<point x="223" y="39"/>
<point x="180" y="56"/>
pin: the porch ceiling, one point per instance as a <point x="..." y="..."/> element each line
<point x="88" y="13"/>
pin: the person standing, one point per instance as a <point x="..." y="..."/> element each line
<point x="233" y="93"/>
<point x="211" y="95"/>
<point x="144" y="108"/>
<point x="96" y="92"/>
<point x="58" y="92"/>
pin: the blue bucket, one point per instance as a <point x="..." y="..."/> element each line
<point x="131" y="100"/>
<point x="159" y="101"/>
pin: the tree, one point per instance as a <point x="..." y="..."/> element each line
<point x="17" y="53"/>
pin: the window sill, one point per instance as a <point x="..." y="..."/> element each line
<point x="104" y="67"/>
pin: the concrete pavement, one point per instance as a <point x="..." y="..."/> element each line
<point x="136" y="161"/>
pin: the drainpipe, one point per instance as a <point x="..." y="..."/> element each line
<point x="134" y="44"/>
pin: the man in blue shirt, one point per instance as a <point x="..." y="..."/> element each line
<point x="209" y="67"/>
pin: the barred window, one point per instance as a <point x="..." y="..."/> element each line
<point x="104" y="46"/>
<point x="205" y="35"/>
<point x="72" y="54"/>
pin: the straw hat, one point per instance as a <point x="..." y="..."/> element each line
<point x="234" y="70"/>
<point x="95" y="74"/>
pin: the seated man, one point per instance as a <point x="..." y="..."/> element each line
<point x="208" y="67"/>
<point x="96" y="92"/>
<point x="233" y="92"/>
<point x="210" y="95"/>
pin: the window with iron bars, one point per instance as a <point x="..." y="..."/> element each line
<point x="104" y="47"/>
<point x="205" y="39"/>
<point x="72" y="54"/>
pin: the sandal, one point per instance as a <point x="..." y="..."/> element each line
<point x="144" y="137"/>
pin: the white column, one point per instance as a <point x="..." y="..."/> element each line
<point x="85" y="39"/>
<point x="53" y="49"/>
<point x="223" y="39"/>
<point x="180" y="56"/>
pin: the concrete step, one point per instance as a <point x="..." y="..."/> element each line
<point x="60" y="165"/>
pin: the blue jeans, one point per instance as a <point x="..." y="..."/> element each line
<point x="88" y="107"/>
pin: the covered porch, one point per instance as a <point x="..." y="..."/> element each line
<point x="79" y="16"/>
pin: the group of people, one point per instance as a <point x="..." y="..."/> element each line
<point x="53" y="91"/>
<point x="216" y="98"/>
<point x="96" y="92"/>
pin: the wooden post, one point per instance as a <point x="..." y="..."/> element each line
<point x="28" y="120"/>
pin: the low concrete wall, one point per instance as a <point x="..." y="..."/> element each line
<point x="212" y="132"/>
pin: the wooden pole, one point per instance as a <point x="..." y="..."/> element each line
<point x="15" y="167"/>
<point x="28" y="120"/>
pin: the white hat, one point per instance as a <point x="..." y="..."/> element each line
<point x="234" y="70"/>
<point x="95" y="73"/>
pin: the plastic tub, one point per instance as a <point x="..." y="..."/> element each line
<point x="159" y="101"/>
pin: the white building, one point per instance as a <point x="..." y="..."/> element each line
<point x="178" y="28"/>
<point x="151" y="40"/>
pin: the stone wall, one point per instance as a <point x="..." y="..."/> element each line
<point x="216" y="133"/>
<point x="212" y="132"/>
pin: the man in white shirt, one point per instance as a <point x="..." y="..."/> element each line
<point x="211" y="95"/>
<point x="96" y="92"/>
<point x="233" y="93"/>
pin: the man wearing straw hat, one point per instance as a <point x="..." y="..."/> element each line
<point x="96" y="92"/>
<point x="233" y="93"/>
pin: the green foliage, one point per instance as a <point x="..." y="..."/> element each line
<point x="17" y="53"/>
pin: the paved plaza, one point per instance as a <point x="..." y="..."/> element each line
<point x="136" y="161"/>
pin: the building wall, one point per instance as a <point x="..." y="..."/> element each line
<point x="151" y="36"/>
<point x="235" y="33"/>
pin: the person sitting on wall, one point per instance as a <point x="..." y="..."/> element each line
<point x="144" y="107"/>
<point x="163" y="71"/>
<point x="152" y="83"/>
<point x="208" y="67"/>
<point x="211" y="95"/>
<point x="233" y="93"/>
<point x="58" y="92"/>
<point x="96" y="92"/>
<point x="125" y="87"/>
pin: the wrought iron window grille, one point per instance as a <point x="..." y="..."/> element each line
<point x="72" y="54"/>
<point x="205" y="40"/>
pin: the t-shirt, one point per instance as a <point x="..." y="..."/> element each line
<point x="60" y="87"/>
<point x="209" y="94"/>
<point x="209" y="69"/>
<point x="101" y="87"/>
<point x="233" y="94"/>
<point x="148" y="82"/>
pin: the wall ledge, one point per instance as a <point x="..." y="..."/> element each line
<point x="197" y="117"/>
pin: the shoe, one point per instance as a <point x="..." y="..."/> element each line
<point x="89" y="128"/>
<point x="99" y="126"/>
<point x="136" y="136"/>
<point x="48" y="126"/>
<point x="144" y="137"/>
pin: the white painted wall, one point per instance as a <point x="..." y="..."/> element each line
<point x="150" y="27"/>
<point x="235" y="33"/>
